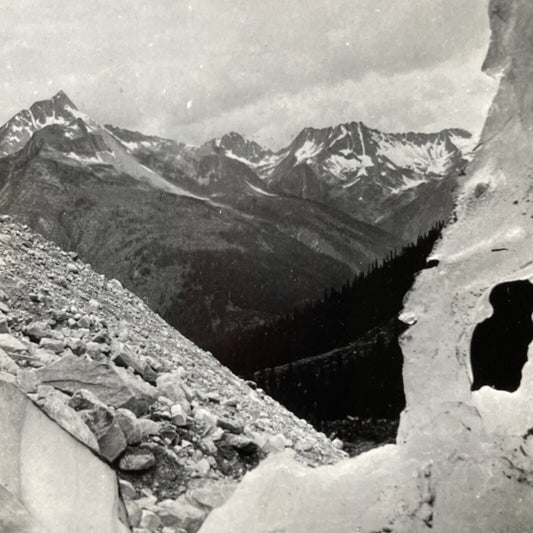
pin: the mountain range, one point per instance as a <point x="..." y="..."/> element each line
<point x="229" y="233"/>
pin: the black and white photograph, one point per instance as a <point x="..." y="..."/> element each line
<point x="266" y="266"/>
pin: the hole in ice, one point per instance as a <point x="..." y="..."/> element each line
<point x="500" y="343"/>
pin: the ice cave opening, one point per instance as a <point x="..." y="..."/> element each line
<point x="499" y="346"/>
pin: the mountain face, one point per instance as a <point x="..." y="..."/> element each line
<point x="197" y="234"/>
<point x="18" y="131"/>
<point x="235" y="146"/>
<point x="376" y="177"/>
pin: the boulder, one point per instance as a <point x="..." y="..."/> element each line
<point x="44" y="356"/>
<point x="52" y="345"/>
<point x="135" y="462"/>
<point x="209" y="446"/>
<point x="7" y="364"/>
<point x="242" y="444"/>
<point x="11" y="345"/>
<point x="84" y="399"/>
<point x="99" y="419"/>
<point x="114" y="284"/>
<point x="127" y="490"/>
<point x="180" y="513"/>
<point x="179" y="417"/>
<point x="113" y="443"/>
<point x="148" y="427"/>
<point x="149" y="520"/>
<point x="134" y="513"/>
<point x="169" y="385"/>
<point x="129" y="425"/>
<point x="37" y="330"/>
<point x="203" y="467"/>
<point x="69" y="420"/>
<point x="62" y="485"/>
<point x="113" y="386"/>
<point x="102" y="422"/>
<point x="212" y="494"/>
<point x="84" y="322"/>
<point x="303" y="445"/>
<point x="206" y="416"/>
<point x="338" y="444"/>
<point x="124" y="357"/>
<point x="231" y="424"/>
<point x="95" y="350"/>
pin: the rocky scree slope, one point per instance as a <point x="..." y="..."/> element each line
<point x="179" y="429"/>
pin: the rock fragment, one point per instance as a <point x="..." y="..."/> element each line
<point x="4" y="326"/>
<point x="179" y="417"/>
<point x="129" y="425"/>
<point x="7" y="364"/>
<point x="134" y="512"/>
<point x="135" y="462"/>
<point x="11" y="345"/>
<point x="112" y="385"/>
<point x="127" y="490"/>
<point x="37" y="330"/>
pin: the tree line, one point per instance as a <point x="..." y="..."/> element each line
<point x="363" y="378"/>
<point x="340" y="317"/>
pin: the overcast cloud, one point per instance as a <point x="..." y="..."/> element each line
<point x="194" y="69"/>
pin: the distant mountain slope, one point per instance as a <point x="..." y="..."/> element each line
<point x="363" y="172"/>
<point x="195" y="233"/>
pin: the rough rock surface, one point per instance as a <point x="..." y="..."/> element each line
<point x="109" y="383"/>
<point x="48" y="480"/>
<point x="463" y="461"/>
<point x="183" y="426"/>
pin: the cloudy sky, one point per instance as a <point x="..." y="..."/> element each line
<point x="194" y="69"/>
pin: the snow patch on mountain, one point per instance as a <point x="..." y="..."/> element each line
<point x="85" y="159"/>
<point x="427" y="158"/>
<point x="406" y="184"/>
<point x="340" y="136"/>
<point x="361" y="138"/>
<point x="340" y="165"/>
<point x="138" y="145"/>
<point x="260" y="191"/>
<point x="231" y="155"/>
<point x="307" y="151"/>
<point x="466" y="145"/>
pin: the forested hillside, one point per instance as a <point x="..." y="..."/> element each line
<point x="343" y="315"/>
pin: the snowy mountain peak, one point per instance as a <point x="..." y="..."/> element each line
<point x="61" y="98"/>
<point x="18" y="130"/>
<point x="236" y="146"/>
<point x="346" y="151"/>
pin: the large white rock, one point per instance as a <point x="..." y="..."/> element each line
<point x="463" y="461"/>
<point x="62" y="485"/>
<point x="14" y="517"/>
